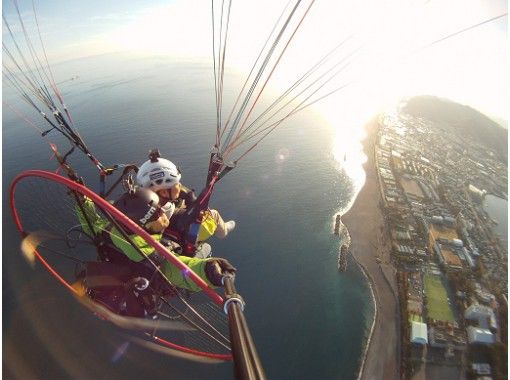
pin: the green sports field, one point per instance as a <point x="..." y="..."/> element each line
<point x="437" y="301"/>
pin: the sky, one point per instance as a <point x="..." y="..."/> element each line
<point x="395" y="57"/>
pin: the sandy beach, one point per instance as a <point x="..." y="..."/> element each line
<point x="371" y="250"/>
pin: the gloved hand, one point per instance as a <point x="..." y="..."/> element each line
<point x="215" y="268"/>
<point x="190" y="197"/>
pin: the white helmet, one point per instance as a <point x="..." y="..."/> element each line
<point x="158" y="173"/>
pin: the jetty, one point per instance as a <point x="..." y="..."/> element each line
<point x="338" y="224"/>
<point x="342" y="257"/>
<point x="345" y="243"/>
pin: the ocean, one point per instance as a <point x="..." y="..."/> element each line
<point x="308" y="320"/>
<point x="497" y="208"/>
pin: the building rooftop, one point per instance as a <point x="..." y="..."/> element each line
<point x="450" y="257"/>
<point x="437" y="231"/>
<point x="478" y="335"/>
<point x="419" y="332"/>
<point x="483" y="314"/>
<point x="481" y="368"/>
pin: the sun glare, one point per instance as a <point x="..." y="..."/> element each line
<point x="169" y="30"/>
<point x="397" y="53"/>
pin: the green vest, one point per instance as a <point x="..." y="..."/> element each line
<point x="174" y="274"/>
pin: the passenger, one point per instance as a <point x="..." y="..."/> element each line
<point x="141" y="206"/>
<point x="163" y="177"/>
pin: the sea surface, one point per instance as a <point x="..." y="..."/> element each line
<point x="308" y="321"/>
<point x="497" y="208"/>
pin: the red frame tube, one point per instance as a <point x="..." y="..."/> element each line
<point x="126" y="222"/>
<point x="119" y="216"/>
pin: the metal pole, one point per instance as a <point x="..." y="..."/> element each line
<point x="247" y="362"/>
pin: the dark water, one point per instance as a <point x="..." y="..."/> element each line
<point x="308" y="321"/>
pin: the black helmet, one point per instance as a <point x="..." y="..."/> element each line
<point x="141" y="206"/>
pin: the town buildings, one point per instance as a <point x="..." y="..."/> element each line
<point x="450" y="261"/>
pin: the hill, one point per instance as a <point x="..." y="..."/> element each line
<point x="461" y="117"/>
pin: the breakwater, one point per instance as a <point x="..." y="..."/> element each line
<point x="345" y="243"/>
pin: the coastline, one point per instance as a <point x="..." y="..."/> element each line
<point x="371" y="332"/>
<point x="371" y="250"/>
